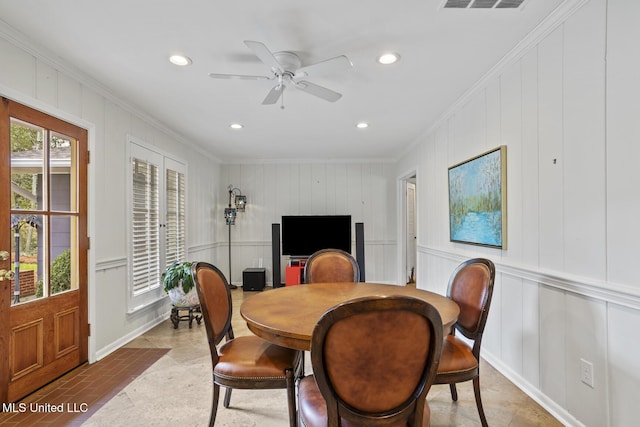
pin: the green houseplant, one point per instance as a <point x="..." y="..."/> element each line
<point x="178" y="283"/>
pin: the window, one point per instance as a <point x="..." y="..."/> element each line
<point x="157" y="220"/>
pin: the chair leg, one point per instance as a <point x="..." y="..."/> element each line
<point x="454" y="392"/>
<point x="476" y="390"/>
<point x="291" y="397"/>
<point x="227" y="397"/>
<point x="301" y="367"/>
<point x="214" y="404"/>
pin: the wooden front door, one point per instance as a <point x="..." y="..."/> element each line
<point x="43" y="249"/>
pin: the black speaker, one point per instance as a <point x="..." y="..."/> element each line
<point x="275" y="254"/>
<point x="254" y="279"/>
<point x="360" y="248"/>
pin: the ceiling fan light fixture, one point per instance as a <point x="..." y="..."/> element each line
<point x="362" y="125"/>
<point x="388" y="58"/>
<point x="236" y="126"/>
<point x="180" y="60"/>
<point x="286" y="68"/>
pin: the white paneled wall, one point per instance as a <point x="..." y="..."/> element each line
<point x="363" y="190"/>
<point x="586" y="324"/>
<point x="553" y="333"/>
<point x="510" y="295"/>
<point x="530" y="333"/>
<point x="511" y="118"/>
<point x="623" y="134"/>
<point x="623" y="374"/>
<point x="584" y="142"/>
<point x="566" y="290"/>
<point x="550" y="154"/>
<point x="528" y="165"/>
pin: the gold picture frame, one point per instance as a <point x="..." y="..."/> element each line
<point x="478" y="200"/>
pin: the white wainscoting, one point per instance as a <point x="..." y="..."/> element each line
<point x="542" y="323"/>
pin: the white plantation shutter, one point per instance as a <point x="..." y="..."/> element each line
<point x="175" y="217"/>
<point x="157" y="221"/>
<point x="145" y="226"/>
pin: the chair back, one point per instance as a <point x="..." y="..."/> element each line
<point x="471" y="287"/>
<point x="215" y="303"/>
<point x="331" y="265"/>
<point x="375" y="358"/>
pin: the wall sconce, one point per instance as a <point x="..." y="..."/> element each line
<point x="238" y="205"/>
<point x="230" y="215"/>
<point x="241" y="202"/>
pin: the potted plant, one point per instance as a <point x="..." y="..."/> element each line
<point x="178" y="283"/>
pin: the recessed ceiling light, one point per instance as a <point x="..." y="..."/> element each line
<point x="180" y="60"/>
<point x="388" y="58"/>
<point x="236" y="126"/>
<point x="362" y="125"/>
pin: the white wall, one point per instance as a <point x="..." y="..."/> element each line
<point x="364" y="190"/>
<point x="567" y="109"/>
<point x="29" y="77"/>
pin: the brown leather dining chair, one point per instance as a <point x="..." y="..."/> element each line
<point x="366" y="376"/>
<point x="246" y="362"/>
<point x="471" y="287"/>
<point x="331" y="265"/>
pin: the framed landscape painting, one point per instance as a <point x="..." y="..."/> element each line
<point x="477" y="200"/>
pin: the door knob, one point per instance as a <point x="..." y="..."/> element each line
<point x="4" y="255"/>
<point x="4" y="274"/>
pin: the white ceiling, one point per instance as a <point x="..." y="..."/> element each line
<point x="125" y="44"/>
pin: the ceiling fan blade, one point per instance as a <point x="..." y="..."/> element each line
<point x="319" y="91"/>
<point x="332" y="65"/>
<point x="238" y="76"/>
<point x="274" y="94"/>
<point x="265" y="55"/>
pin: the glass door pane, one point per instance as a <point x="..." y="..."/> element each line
<point x="27" y="252"/>
<point x="62" y="172"/>
<point x="27" y="225"/>
<point x="63" y="270"/>
<point x="27" y="165"/>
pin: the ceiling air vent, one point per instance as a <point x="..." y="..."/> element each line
<point x="483" y="4"/>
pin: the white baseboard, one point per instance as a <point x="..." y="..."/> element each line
<point x="557" y="411"/>
<point x="107" y="350"/>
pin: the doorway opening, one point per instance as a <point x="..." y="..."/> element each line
<point x="408" y="230"/>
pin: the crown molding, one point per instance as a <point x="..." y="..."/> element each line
<point x="550" y="23"/>
<point x="21" y="41"/>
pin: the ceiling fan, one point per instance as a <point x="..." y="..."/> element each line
<point x="286" y="68"/>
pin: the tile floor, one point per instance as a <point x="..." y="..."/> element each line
<point x="83" y="391"/>
<point x="176" y="390"/>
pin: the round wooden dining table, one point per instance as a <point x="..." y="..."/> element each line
<point x="286" y="316"/>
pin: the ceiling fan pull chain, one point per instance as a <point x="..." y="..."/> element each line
<point x="282" y="99"/>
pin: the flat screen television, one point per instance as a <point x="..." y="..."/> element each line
<point x="305" y="234"/>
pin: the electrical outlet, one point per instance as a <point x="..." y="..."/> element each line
<point x="586" y="372"/>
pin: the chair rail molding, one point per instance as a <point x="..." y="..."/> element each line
<point x="202" y="247"/>
<point x="610" y="292"/>
<point x="111" y="264"/>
